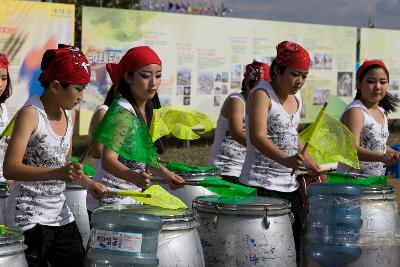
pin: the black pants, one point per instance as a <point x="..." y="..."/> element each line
<point x="59" y="245"/>
<point x="296" y="206"/>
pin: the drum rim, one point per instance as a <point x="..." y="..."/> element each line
<point x="169" y="222"/>
<point x="257" y="208"/>
<point x="379" y="190"/>
<point x="197" y="176"/>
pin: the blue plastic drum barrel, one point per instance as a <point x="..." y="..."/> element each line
<point x="332" y="227"/>
<point x="351" y="226"/>
<point x="141" y="235"/>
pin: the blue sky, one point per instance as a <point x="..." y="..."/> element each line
<point x="384" y="13"/>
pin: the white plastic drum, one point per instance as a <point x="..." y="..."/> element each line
<point x="188" y="193"/>
<point x="380" y="232"/>
<point x="141" y="235"/>
<point x="3" y="201"/>
<point x="12" y="248"/>
<point x="76" y="201"/>
<point x="253" y="231"/>
<point x="179" y="242"/>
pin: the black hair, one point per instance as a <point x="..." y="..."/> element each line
<point x="111" y="94"/>
<point x="389" y="103"/>
<point x="123" y="89"/>
<point x="8" y="91"/>
<point x="252" y="83"/>
<point x="281" y="69"/>
<point x="47" y="58"/>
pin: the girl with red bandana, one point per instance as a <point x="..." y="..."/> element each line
<point x="138" y="78"/>
<point x="272" y="118"/>
<point x="5" y="93"/>
<point x="366" y="119"/>
<point x="229" y="147"/>
<point x="37" y="159"/>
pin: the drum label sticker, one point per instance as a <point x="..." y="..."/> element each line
<point x="121" y="241"/>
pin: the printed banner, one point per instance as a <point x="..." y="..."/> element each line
<point x="204" y="57"/>
<point x="27" y="29"/>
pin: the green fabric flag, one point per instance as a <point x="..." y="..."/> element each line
<point x="127" y="135"/>
<point x="182" y="167"/>
<point x="178" y="121"/>
<point x="341" y="178"/>
<point x="330" y="141"/>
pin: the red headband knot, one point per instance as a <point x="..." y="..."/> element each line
<point x="292" y="55"/>
<point x="69" y="65"/>
<point x="369" y="63"/>
<point x="3" y="61"/>
<point x="257" y="71"/>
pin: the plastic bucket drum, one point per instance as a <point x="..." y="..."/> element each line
<point x="141" y="235"/>
<point x="76" y="200"/>
<point x="188" y="193"/>
<point x="12" y="248"/>
<point x="252" y="231"/>
<point x="3" y="201"/>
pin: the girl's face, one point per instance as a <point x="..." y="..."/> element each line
<point x="3" y="80"/>
<point x="374" y="85"/>
<point x="145" y="82"/>
<point x="291" y="80"/>
<point x="71" y="96"/>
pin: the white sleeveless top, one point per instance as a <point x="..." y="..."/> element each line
<point x="41" y="202"/>
<point x="259" y="170"/>
<point x="3" y="124"/>
<point x="226" y="153"/>
<point x="97" y="163"/>
<point x="373" y="137"/>
<point x="114" y="183"/>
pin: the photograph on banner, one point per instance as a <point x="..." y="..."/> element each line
<point x="383" y="44"/>
<point x="25" y="41"/>
<point x="204" y="57"/>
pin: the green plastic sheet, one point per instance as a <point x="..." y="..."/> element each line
<point x="234" y="190"/>
<point x="341" y="178"/>
<point x="182" y="167"/>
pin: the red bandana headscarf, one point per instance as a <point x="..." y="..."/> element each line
<point x="292" y="55"/>
<point x="369" y="63"/>
<point x="68" y="66"/>
<point x="135" y="58"/>
<point x="257" y="71"/>
<point x="3" y="61"/>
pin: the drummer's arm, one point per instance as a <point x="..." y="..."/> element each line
<point x="353" y="119"/>
<point x="309" y="163"/>
<point x="111" y="164"/>
<point x="167" y="174"/>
